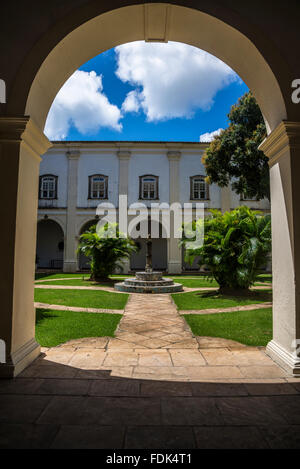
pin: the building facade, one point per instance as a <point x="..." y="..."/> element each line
<point x="75" y="177"/>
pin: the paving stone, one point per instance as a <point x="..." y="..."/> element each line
<point x="88" y="358"/>
<point x="122" y="387"/>
<point x="219" y="389"/>
<point x="165" y="388"/>
<point x="282" y="437"/>
<point x="159" y="358"/>
<point x="250" y="411"/>
<point x="26" y="436"/>
<point x="64" y="387"/>
<point x="164" y="437"/>
<point x="126" y="358"/>
<point x="262" y="371"/>
<point x="187" y="358"/>
<point x="89" y="437"/>
<point x="229" y="438"/>
<point x="21" y="408"/>
<point x="190" y="411"/>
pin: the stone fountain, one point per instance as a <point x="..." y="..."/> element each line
<point x="149" y="281"/>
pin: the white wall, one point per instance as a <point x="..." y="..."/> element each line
<point x="55" y="162"/>
<point x="191" y="165"/>
<point x="97" y="162"/>
<point x="148" y="162"/>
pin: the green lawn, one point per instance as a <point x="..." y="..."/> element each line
<point x="82" y="298"/>
<point x="208" y="300"/>
<point x="247" y="327"/>
<point x="56" y="327"/>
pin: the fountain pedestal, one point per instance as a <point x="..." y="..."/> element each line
<point x="149" y="282"/>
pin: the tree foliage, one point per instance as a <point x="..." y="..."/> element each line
<point x="106" y="248"/>
<point x="233" y="156"/>
<point x="236" y="245"/>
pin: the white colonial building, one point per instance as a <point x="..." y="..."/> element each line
<point x="76" y="176"/>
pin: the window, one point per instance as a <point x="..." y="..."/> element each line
<point x="48" y="187"/>
<point x="199" y="188"/>
<point x="98" y="186"/>
<point x="149" y="187"/>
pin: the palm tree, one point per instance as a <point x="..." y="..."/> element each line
<point x="105" y="247"/>
<point x="236" y="245"/>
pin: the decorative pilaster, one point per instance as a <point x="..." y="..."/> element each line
<point x="283" y="149"/>
<point x="174" y="250"/>
<point x="70" y="258"/>
<point x="124" y="158"/>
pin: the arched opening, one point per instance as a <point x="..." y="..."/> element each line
<point x="49" y="245"/>
<point x="64" y="55"/>
<point x="159" y="251"/>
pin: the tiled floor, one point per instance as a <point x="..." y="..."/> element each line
<point x="153" y="386"/>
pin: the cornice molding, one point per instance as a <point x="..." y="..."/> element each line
<point x="285" y="136"/>
<point x="174" y="155"/>
<point x="124" y="155"/>
<point x="23" y="129"/>
<point x="73" y="154"/>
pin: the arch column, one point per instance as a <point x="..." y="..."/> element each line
<point x="70" y="257"/>
<point x="124" y="158"/>
<point x="21" y="144"/>
<point x="174" y="250"/>
<point x="283" y="149"/>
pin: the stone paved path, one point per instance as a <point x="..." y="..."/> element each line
<point x="77" y="308"/>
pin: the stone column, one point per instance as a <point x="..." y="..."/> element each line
<point x="21" y="144"/>
<point x="70" y="257"/>
<point x="124" y="157"/>
<point x="225" y="199"/>
<point x="174" y="251"/>
<point x="283" y="148"/>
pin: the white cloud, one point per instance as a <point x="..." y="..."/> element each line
<point x="82" y="103"/>
<point x="132" y="102"/>
<point x="171" y="80"/>
<point x="209" y="136"/>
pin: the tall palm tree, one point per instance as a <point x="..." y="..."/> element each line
<point x="106" y="248"/>
<point x="236" y="246"/>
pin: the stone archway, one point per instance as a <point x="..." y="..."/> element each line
<point x="63" y="46"/>
<point x="49" y="245"/>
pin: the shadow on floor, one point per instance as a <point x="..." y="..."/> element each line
<point x="58" y="406"/>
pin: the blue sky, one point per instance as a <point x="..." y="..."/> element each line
<point x="143" y="91"/>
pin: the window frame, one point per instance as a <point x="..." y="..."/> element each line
<point x="141" y="189"/>
<point x="55" y="187"/>
<point x="192" y="180"/>
<point x="91" y="189"/>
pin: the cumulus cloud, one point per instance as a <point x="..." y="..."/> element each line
<point x="209" y="136"/>
<point x="81" y="103"/>
<point x="171" y="80"/>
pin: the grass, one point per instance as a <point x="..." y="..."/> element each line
<point x="56" y="327"/>
<point x="252" y="328"/>
<point x="207" y="300"/>
<point x="81" y="298"/>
